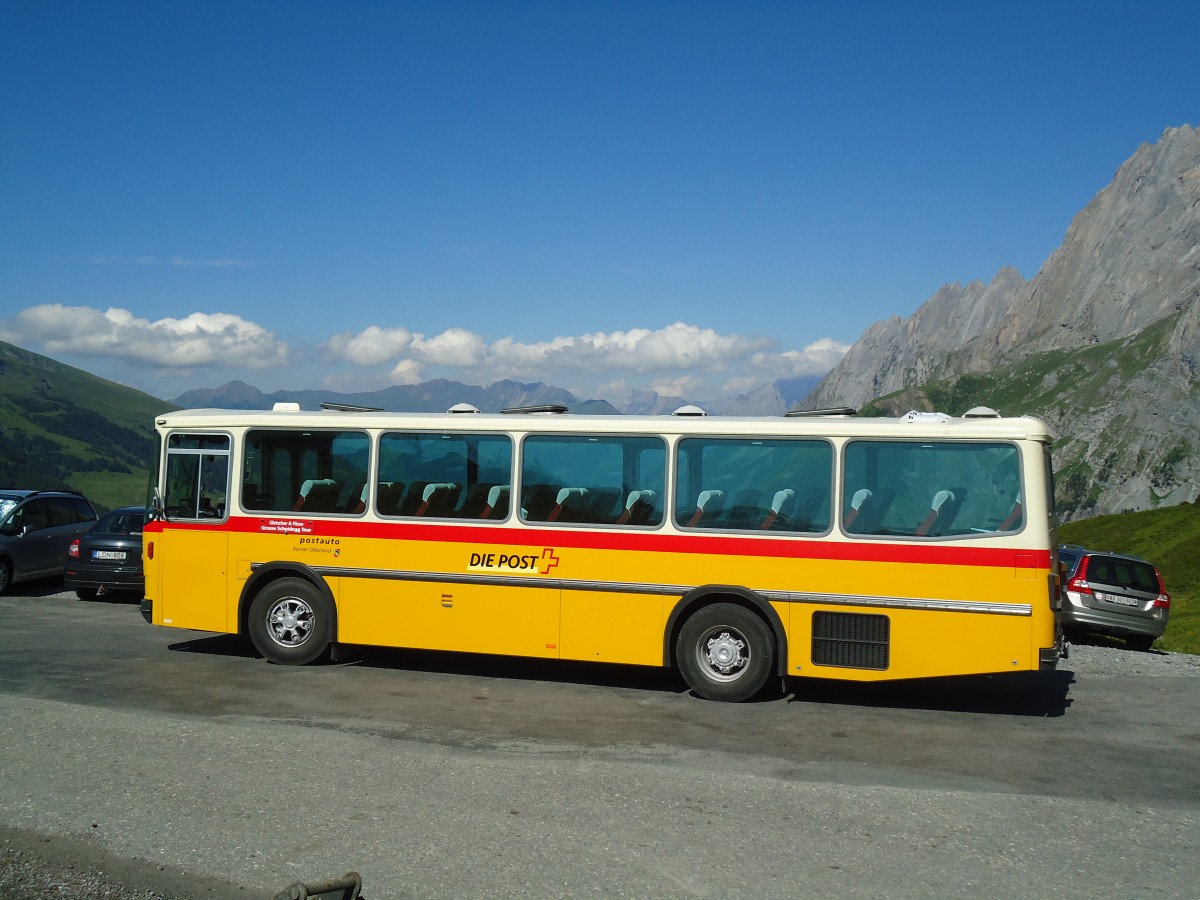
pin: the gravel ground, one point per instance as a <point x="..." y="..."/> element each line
<point x="37" y="867"/>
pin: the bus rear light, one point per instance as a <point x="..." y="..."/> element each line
<point x="149" y="549"/>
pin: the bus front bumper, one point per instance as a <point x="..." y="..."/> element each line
<point x="147" y="608"/>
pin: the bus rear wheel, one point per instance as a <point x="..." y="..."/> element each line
<point x="291" y="622"/>
<point x="725" y="652"/>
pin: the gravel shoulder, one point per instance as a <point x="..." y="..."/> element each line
<point x="40" y="865"/>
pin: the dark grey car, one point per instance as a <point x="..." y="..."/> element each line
<point x="36" y="531"/>
<point x="109" y="557"/>
<point x="1110" y="593"/>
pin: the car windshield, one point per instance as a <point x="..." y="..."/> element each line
<point x="120" y="523"/>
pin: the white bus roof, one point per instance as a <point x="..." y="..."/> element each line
<point x="915" y="425"/>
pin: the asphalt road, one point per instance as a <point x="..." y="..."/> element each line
<point x="183" y="759"/>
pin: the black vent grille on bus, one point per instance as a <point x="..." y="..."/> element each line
<point x="851" y="640"/>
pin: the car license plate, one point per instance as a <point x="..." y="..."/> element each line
<point x="108" y="554"/>
<point x="1119" y="600"/>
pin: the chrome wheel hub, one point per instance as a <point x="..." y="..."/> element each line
<point x="290" y="621"/>
<point x="724" y="653"/>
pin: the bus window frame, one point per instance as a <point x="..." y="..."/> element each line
<point x="227" y="453"/>
<point x="296" y="483"/>
<point x="438" y="433"/>
<point x="665" y="439"/>
<point x="676" y="473"/>
<point x="981" y="534"/>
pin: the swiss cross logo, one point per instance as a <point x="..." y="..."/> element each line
<point x="549" y="561"/>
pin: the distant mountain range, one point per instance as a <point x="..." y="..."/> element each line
<point x="439" y="395"/>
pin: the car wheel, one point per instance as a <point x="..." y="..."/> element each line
<point x="86" y="593"/>
<point x="1141" y="643"/>
<point x="291" y="622"/>
<point x="725" y="652"/>
<point x="5" y="576"/>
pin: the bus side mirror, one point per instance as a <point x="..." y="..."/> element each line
<point x="157" y="509"/>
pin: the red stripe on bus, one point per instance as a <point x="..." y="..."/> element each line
<point x="725" y="545"/>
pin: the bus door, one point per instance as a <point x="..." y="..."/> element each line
<point x="193" y="544"/>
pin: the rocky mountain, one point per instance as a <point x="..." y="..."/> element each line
<point x="1103" y="343"/>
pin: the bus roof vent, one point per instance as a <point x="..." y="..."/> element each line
<point x="835" y="411"/>
<point x="981" y="412"/>
<point x="689" y="410"/>
<point x="285" y="407"/>
<point x="546" y="409"/>
<point x="463" y="408"/>
<point x="918" y="416"/>
<point x="348" y="407"/>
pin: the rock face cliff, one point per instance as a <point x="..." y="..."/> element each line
<point x="1103" y="343"/>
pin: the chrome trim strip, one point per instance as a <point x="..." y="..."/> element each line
<point x="626" y="587"/>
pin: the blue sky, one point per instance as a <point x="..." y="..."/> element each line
<point x="693" y="197"/>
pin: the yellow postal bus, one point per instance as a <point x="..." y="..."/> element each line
<point x="738" y="550"/>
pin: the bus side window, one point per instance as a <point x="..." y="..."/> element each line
<point x="586" y="479"/>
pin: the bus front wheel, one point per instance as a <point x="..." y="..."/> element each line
<point x="291" y="622"/>
<point x="725" y="652"/>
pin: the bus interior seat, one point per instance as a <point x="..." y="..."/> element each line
<point x="356" y="498"/>
<point x="709" y="505"/>
<point x="568" y="505"/>
<point x="251" y="498"/>
<point x="439" y="499"/>
<point x="807" y="513"/>
<point x="867" y="509"/>
<point x="942" y="510"/>
<point x="782" y="506"/>
<point x="497" y="503"/>
<point x="538" y="501"/>
<point x="413" y="498"/>
<point x="746" y="511"/>
<point x="639" y="507"/>
<point x="601" y="506"/>
<point x="387" y="499"/>
<point x="474" y="501"/>
<point x="317" y="495"/>
<point x="1015" y="518"/>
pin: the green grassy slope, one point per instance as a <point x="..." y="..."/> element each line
<point x="1170" y="539"/>
<point x="61" y="427"/>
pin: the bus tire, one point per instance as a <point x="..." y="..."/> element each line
<point x="725" y="652"/>
<point x="290" y="622"/>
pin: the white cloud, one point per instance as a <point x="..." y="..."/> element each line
<point x="678" y="346"/>
<point x="680" y="359"/>
<point x="676" y="359"/>
<point x="407" y="371"/>
<point x="372" y="346"/>
<point x="201" y="339"/>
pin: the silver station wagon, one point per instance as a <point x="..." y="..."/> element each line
<point x="1109" y="593"/>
